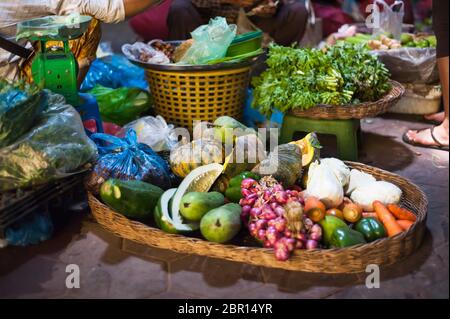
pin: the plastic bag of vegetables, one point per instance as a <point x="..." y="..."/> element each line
<point x="126" y="159"/>
<point x="20" y="104"/>
<point x="55" y="147"/>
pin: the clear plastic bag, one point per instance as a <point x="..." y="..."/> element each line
<point x="390" y="19"/>
<point x="126" y="159"/>
<point x="122" y="105"/>
<point x="211" y="41"/>
<point x="411" y="65"/>
<point x="114" y="71"/>
<point x="55" y="147"/>
<point x="153" y="131"/>
<point x="20" y="104"/>
<point x="142" y="52"/>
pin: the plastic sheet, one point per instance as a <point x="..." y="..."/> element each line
<point x="411" y="65"/>
<point x="114" y="71"/>
<point x="55" y="147"/>
<point x="31" y="231"/>
<point x="19" y="105"/>
<point x="126" y="159"/>
<point x="155" y="132"/>
<point x="123" y="105"/>
<point x="211" y="42"/>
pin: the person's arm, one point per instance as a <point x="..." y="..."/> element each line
<point x="218" y="3"/>
<point x="109" y="11"/>
<point x="133" y="7"/>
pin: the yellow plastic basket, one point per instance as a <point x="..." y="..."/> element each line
<point x="182" y="97"/>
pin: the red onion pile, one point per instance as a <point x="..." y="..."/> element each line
<point x="275" y="217"/>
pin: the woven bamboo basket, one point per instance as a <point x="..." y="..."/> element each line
<point x="354" y="111"/>
<point x="353" y="259"/>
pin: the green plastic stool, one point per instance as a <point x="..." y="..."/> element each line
<point x="346" y="132"/>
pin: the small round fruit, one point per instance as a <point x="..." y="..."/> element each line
<point x="352" y="213"/>
<point x="336" y="212"/>
<point x="315" y="209"/>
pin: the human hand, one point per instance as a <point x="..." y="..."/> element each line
<point x="267" y="9"/>
<point x="240" y="3"/>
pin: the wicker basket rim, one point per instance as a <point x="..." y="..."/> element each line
<point x="420" y="219"/>
<point x="397" y="90"/>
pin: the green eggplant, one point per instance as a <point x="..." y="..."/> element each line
<point x="329" y="224"/>
<point x="233" y="192"/>
<point x="346" y="237"/>
<point x="371" y="229"/>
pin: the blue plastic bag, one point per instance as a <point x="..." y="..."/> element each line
<point x="114" y="71"/>
<point x="126" y="159"/>
<point x="33" y="230"/>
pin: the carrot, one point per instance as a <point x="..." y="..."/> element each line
<point x="401" y="213"/>
<point x="405" y="224"/>
<point x="388" y="220"/>
<point x="369" y="215"/>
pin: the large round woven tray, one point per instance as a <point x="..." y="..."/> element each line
<point x="345" y="260"/>
<point x="354" y="111"/>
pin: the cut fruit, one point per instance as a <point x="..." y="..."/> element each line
<point x="161" y="214"/>
<point x="164" y="219"/>
<point x="310" y="148"/>
<point x="199" y="180"/>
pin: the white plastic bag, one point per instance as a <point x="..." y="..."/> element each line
<point x="390" y="19"/>
<point x="142" y="52"/>
<point x="155" y="132"/>
<point x="211" y="41"/>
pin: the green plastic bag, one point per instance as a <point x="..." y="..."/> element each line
<point x="123" y="105"/>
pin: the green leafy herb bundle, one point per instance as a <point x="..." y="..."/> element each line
<point x="302" y="78"/>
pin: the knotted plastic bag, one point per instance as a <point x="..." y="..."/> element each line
<point x="114" y="71"/>
<point x="31" y="231"/>
<point x="126" y="159"/>
<point x="122" y="105"/>
<point x="153" y="131"/>
<point x="211" y="41"/>
<point x="390" y="19"/>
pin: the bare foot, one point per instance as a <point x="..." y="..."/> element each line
<point x="424" y="137"/>
<point x="436" y="117"/>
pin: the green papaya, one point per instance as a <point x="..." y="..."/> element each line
<point x="133" y="199"/>
<point x="221" y="224"/>
<point x="195" y="205"/>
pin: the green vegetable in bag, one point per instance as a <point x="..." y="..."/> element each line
<point x="123" y="105"/>
<point x="55" y="147"/>
<point x="20" y="103"/>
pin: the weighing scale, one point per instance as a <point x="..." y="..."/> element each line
<point x="55" y="68"/>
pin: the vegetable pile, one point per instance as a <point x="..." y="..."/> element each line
<point x="292" y="200"/>
<point x="302" y="78"/>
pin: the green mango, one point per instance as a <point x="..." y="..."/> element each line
<point x="346" y="237"/>
<point x="195" y="205"/>
<point x="221" y="224"/>
<point x="371" y="229"/>
<point x="329" y="224"/>
<point x="406" y="38"/>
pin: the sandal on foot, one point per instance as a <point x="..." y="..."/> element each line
<point x="439" y="145"/>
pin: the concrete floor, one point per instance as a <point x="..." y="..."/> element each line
<point x="114" y="268"/>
